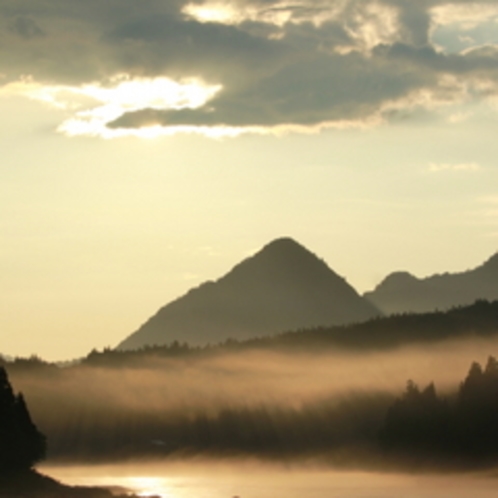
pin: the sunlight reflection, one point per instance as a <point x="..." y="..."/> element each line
<point x="148" y="486"/>
<point x="203" y="479"/>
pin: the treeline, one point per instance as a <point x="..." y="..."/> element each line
<point x="264" y="431"/>
<point x="465" y="424"/>
<point x="478" y="320"/>
<point x="460" y="426"/>
<point x="457" y="427"/>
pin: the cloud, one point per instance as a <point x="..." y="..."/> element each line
<point x="311" y="91"/>
<point x="438" y="167"/>
<point x="26" y="28"/>
<point x="121" y="95"/>
<point x="276" y="65"/>
<point x="467" y="14"/>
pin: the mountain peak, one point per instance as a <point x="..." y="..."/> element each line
<point x="395" y="280"/>
<point x="283" y="244"/>
<point x="282" y="249"/>
<point x="281" y="287"/>
<point x="402" y="292"/>
<point x="280" y="265"/>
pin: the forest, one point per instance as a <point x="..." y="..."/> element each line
<point x="367" y="428"/>
<point x="464" y="424"/>
<point x="321" y="393"/>
<point x="477" y="320"/>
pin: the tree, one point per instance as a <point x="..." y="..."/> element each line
<point x="477" y="409"/>
<point x="21" y="443"/>
<point x="416" y="421"/>
<point x="421" y="421"/>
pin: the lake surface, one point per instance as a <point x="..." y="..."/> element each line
<point x="211" y="480"/>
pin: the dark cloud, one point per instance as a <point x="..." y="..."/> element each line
<point x="307" y="92"/>
<point x="482" y="61"/>
<point x="176" y="47"/>
<point x="27" y="28"/>
<point x="414" y="19"/>
<point x="312" y="70"/>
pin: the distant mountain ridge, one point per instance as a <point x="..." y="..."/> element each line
<point x="282" y="287"/>
<point x="402" y="292"/>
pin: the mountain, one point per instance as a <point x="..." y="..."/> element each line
<point x="282" y="287"/>
<point x="401" y="292"/>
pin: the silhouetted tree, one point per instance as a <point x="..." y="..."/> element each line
<point x="476" y="417"/>
<point x="468" y="427"/>
<point x="21" y="444"/>
<point x="419" y="420"/>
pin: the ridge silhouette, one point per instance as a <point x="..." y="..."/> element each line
<point x="282" y="287"/>
<point x="401" y="292"/>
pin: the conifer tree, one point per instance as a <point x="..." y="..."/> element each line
<point x="21" y="443"/>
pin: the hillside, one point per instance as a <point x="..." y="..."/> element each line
<point x="476" y="321"/>
<point x="401" y="292"/>
<point x="282" y="287"/>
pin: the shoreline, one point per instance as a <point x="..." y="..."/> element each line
<point x="33" y="484"/>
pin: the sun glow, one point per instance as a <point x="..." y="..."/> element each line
<point x="148" y="486"/>
<point x="90" y="108"/>
<point x="278" y="14"/>
<point x="221" y="13"/>
<point x="228" y="14"/>
<point x="93" y="106"/>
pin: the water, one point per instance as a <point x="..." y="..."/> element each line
<point x="211" y="480"/>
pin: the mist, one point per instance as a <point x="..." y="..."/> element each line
<point x="251" y="402"/>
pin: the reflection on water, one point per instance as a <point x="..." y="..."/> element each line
<point x="255" y="481"/>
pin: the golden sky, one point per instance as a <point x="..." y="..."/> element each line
<point x="150" y="145"/>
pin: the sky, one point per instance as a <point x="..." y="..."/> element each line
<point x="150" y="145"/>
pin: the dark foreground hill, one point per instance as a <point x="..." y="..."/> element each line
<point x="282" y="287"/>
<point x="31" y="484"/>
<point x="401" y="292"/>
